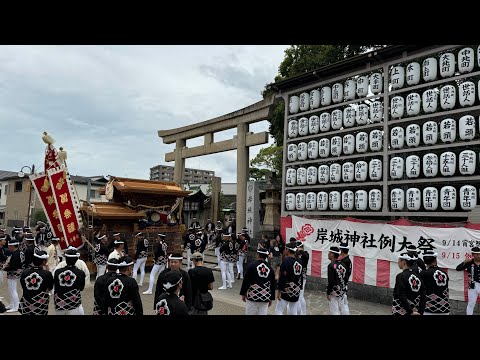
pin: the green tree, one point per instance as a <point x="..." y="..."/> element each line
<point x="269" y="158"/>
<point x="40" y="216"/>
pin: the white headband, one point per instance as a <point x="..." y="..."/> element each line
<point x="406" y="257"/>
<point x="168" y="285"/>
<point x="335" y="252"/>
<point x="77" y="255"/>
<point x="102" y="237"/>
<point x="171" y="257"/>
<point x="124" y="263"/>
<point x="44" y="256"/>
<point x="116" y="234"/>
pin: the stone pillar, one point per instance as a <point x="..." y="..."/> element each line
<point x="253" y="205"/>
<point x="242" y="175"/>
<point x="215" y="199"/>
<point x="179" y="169"/>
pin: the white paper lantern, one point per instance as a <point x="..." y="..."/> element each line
<point x="397" y="77"/>
<point x="376" y="83"/>
<point x="324" y="147"/>
<point x="466" y="93"/>
<point x="448" y="130"/>
<point x="397" y="107"/>
<point x="413" y="199"/>
<point x="396" y="167"/>
<point x="326" y="96"/>
<point x="430" y="132"/>
<point x="312" y="151"/>
<point x="376" y="111"/>
<point x="375" y="169"/>
<point x="361" y="171"/>
<point x="303" y="126"/>
<point x="337" y="93"/>
<point x="413" y="73"/>
<point x="468" y="197"/>
<point x="348" y="170"/>
<point x="448" y="163"/>
<point x="376" y="140"/>
<point x="323" y="174"/>
<point x="413" y="104"/>
<point x="362" y="86"/>
<point x="397" y="137"/>
<point x="302" y="151"/>
<point x="447" y="65"/>
<point x="349" y="90"/>
<point x="314" y="124"/>
<point x="430" y="198"/>
<point x="413" y="135"/>
<point x="304" y="101"/>
<point x="334" y="200"/>
<point x="292" y="129"/>
<point x="362" y="114"/>
<point x="336" y="144"/>
<point x="348" y="144"/>
<point x="300" y="201"/>
<point x="429" y="101"/>
<point x="291" y="177"/>
<point x="429" y="69"/>
<point x="311" y="201"/>
<point x="292" y="152"/>
<point x="375" y="200"/>
<point x="467" y="162"/>
<point x="348" y="117"/>
<point x="430" y="165"/>
<point x="361" y="200"/>
<point x="347" y="200"/>
<point x="335" y="173"/>
<point x="314" y="99"/>
<point x="322" y="201"/>
<point x="336" y="119"/>
<point x="312" y="175"/>
<point x="448" y="97"/>
<point x="324" y="122"/>
<point x="448" y="196"/>
<point x="361" y="142"/>
<point x="465" y="60"/>
<point x="290" y="201"/>
<point x="301" y="176"/>
<point x="466" y="126"/>
<point x="412" y="166"/>
<point x="294" y="104"/>
<point x="397" y="199"/>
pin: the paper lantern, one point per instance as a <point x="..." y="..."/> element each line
<point x="429" y="101"/>
<point x="466" y="126"/>
<point x="294" y="104"/>
<point x="376" y="140"/>
<point x="413" y="199"/>
<point x="314" y="124"/>
<point x="362" y="114"/>
<point x="336" y="119"/>
<point x="322" y="201"/>
<point x="397" y="77"/>
<point x="430" y="132"/>
<point x="361" y="170"/>
<point x="324" y="147"/>
<point x="397" y="137"/>
<point x="362" y="86"/>
<point x="448" y="130"/>
<point x="314" y="99"/>
<point x="361" y="200"/>
<point x="376" y="111"/>
<point x="312" y="175"/>
<point x="336" y="146"/>
<point x="468" y="197"/>
<point x="478" y="56"/>
<point x="290" y="201"/>
<point x="466" y="93"/>
<point x="326" y="96"/>
<point x="430" y="198"/>
<point x="376" y="83"/>
<point x="292" y="129"/>
<point x="292" y="152"/>
<point x="361" y="142"/>
<point x="291" y="177"/>
<point x="348" y="144"/>
<point x="465" y="60"/>
<point x="397" y="107"/>
<point x="413" y="104"/>
<point x="397" y="199"/>
<point x="324" y="122"/>
<point x="467" y="162"/>
<point x="334" y="200"/>
<point x="348" y="170"/>
<point x="413" y="73"/>
<point x="311" y="201"/>
<point x="447" y="65"/>
<point x="448" y="195"/>
<point x="396" y="167"/>
<point x="448" y="97"/>
<point x="375" y="200"/>
<point x="337" y="93"/>
<point x="412" y="166"/>
<point x="375" y="169"/>
<point x="301" y="176"/>
<point x="347" y="200"/>
<point x="304" y="101"/>
<point x="335" y="173"/>
<point x="302" y="151"/>
<point x="323" y="174"/>
<point x="348" y="117"/>
<point x="448" y="163"/>
<point x="413" y="135"/>
<point x="300" y="201"/>
<point x="349" y="89"/>
<point x="303" y="126"/>
<point x="429" y="69"/>
<point x="312" y="149"/>
<point x="430" y="165"/>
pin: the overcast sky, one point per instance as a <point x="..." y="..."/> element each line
<point x="105" y="104"/>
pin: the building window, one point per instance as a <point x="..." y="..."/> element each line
<point x="0" y="193"/>
<point x="6" y="190"/>
<point x="18" y="186"/>
<point x="194" y="205"/>
<point x="186" y="205"/>
<point x="94" y="194"/>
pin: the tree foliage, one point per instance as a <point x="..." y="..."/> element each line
<point x="268" y="159"/>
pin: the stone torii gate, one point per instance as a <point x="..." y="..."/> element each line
<point x="240" y="119"/>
